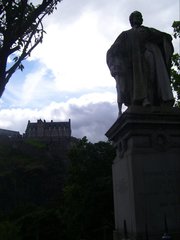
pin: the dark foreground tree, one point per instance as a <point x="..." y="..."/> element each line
<point x="32" y="176"/>
<point x="88" y="197"/>
<point x="21" y="30"/>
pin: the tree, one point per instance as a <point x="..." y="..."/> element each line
<point x="88" y="197"/>
<point x="32" y="176"/>
<point x="175" y="70"/>
<point x="9" y="231"/>
<point x="42" y="224"/>
<point x="21" y="30"/>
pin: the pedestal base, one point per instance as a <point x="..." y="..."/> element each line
<point x="146" y="173"/>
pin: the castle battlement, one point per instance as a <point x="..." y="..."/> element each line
<point x="43" y="129"/>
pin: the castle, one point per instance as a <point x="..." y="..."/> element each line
<point x="42" y="130"/>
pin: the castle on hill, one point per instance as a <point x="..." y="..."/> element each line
<point x="42" y="130"/>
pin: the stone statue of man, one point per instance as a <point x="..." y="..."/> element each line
<point x="140" y="61"/>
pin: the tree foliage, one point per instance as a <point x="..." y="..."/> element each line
<point x="50" y="193"/>
<point x="21" y="30"/>
<point x="175" y="70"/>
<point x="176" y="26"/>
<point x="9" y="231"/>
<point x="88" y="197"/>
<point x="32" y="176"/>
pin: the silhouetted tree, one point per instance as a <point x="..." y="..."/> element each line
<point x="21" y="30"/>
<point x="88" y="197"/>
<point x="175" y="70"/>
<point x="9" y="231"/>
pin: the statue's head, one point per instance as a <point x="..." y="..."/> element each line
<point x="136" y="19"/>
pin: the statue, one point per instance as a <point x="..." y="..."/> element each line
<point x="140" y="62"/>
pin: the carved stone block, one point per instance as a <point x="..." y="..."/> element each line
<point x="146" y="172"/>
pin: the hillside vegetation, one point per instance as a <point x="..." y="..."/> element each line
<point x="55" y="190"/>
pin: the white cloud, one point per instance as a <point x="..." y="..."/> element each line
<point x="91" y="115"/>
<point x="76" y="55"/>
<point x="32" y="85"/>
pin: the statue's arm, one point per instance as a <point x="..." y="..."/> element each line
<point x="112" y="61"/>
<point x="159" y="36"/>
<point x="164" y="40"/>
<point x="113" y="56"/>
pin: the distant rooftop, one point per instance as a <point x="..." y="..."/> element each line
<point x="9" y="133"/>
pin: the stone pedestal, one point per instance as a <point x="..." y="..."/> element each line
<point x="146" y="173"/>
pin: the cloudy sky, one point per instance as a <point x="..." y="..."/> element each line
<point x="66" y="76"/>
